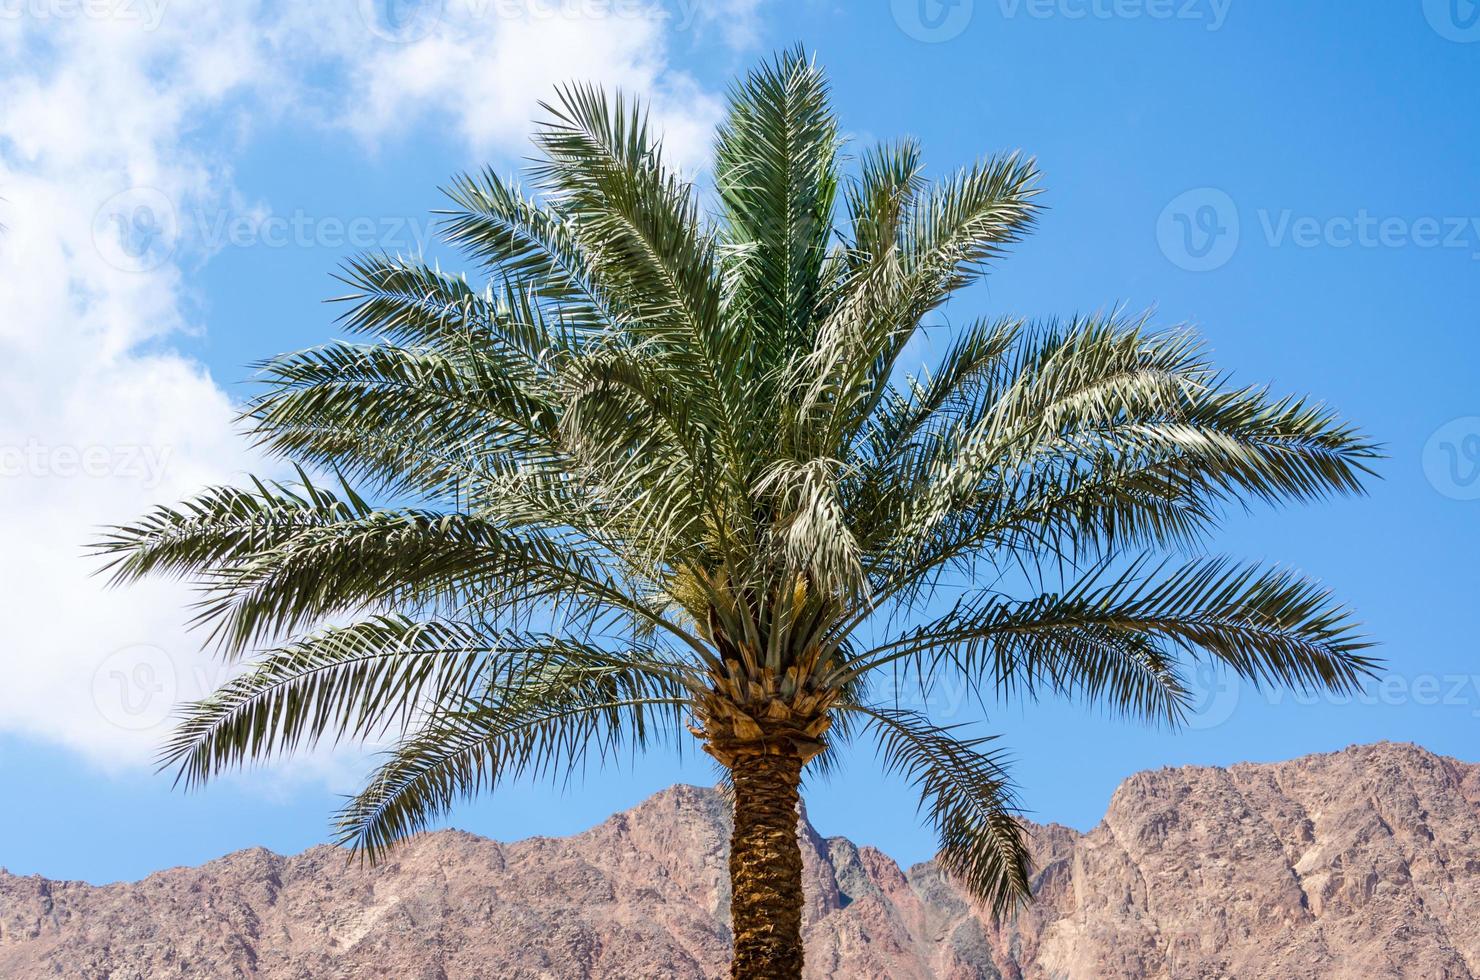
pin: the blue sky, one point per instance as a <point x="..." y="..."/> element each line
<point x="1298" y="180"/>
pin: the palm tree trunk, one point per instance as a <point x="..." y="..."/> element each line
<point x="766" y="868"/>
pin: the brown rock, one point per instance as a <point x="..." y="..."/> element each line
<point x="1362" y="863"/>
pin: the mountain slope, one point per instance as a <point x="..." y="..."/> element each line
<point x="1360" y="863"/>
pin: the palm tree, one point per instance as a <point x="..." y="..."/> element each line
<point x="662" y="469"/>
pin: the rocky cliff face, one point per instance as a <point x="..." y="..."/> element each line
<point x="1363" y="863"/>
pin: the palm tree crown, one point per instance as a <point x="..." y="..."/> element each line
<point x="659" y="468"/>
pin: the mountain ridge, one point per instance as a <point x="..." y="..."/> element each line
<point x="1362" y="862"/>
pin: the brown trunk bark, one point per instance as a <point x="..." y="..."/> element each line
<point x="766" y="868"/>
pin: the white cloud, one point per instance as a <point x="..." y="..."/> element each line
<point x="103" y="111"/>
<point x="737" y="21"/>
<point x="481" y="67"/>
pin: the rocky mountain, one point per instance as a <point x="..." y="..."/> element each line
<point x="1362" y="863"/>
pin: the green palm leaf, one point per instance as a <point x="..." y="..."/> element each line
<point x="968" y="797"/>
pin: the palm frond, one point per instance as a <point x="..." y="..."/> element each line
<point x="544" y="724"/>
<point x="1119" y="637"/>
<point x="528" y="245"/>
<point x="374" y="678"/>
<point x="406" y="302"/>
<point x="968" y="798"/>
<point x="776" y="174"/>
<point x="879" y="200"/>
<point x="1103" y="435"/>
<point x="962" y="224"/>
<point x="408" y="420"/>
